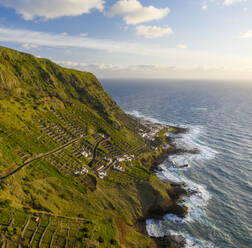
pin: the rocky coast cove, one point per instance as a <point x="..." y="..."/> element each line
<point x="179" y="210"/>
<point x="217" y="119"/>
<point x="88" y="161"/>
<point x="190" y="197"/>
<point x="125" y="124"/>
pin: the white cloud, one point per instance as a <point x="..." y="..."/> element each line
<point x="130" y="53"/>
<point x="204" y="6"/>
<point x="133" y="12"/>
<point x="246" y="35"/>
<point x="63" y="40"/>
<point x="182" y="46"/>
<point x="64" y="33"/>
<point x="49" y="9"/>
<point x="83" y="34"/>
<point x="28" y="46"/>
<point x="161" y="70"/>
<point x="153" y="31"/>
<point x="232" y="2"/>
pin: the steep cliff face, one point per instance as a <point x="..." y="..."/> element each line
<point x="51" y="119"/>
<point x="32" y="89"/>
<point x="25" y="75"/>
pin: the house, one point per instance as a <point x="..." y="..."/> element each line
<point x="102" y="174"/>
<point x="99" y="167"/>
<point x="144" y="135"/>
<point x="83" y="171"/>
<point x="107" y="160"/>
<point x="76" y="173"/>
<point x="36" y="219"/>
<point x="102" y="135"/>
<point x="85" y="154"/>
<point x="120" y="159"/>
<point x="119" y="168"/>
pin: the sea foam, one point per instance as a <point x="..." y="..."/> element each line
<point x="148" y="118"/>
<point x="155" y="229"/>
<point x="191" y="140"/>
<point x="197" y="201"/>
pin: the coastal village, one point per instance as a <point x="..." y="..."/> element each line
<point x="151" y="133"/>
<point x="88" y="159"/>
<point x="73" y="163"/>
<point x="120" y="163"/>
<point x="91" y="158"/>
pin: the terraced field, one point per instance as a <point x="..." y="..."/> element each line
<point x="67" y="149"/>
<point x="45" y="231"/>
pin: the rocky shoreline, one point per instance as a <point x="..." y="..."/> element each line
<point x="174" y="241"/>
<point x="165" y="149"/>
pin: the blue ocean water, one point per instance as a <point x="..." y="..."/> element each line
<point x="219" y="116"/>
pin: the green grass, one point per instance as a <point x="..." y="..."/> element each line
<point x="65" y="100"/>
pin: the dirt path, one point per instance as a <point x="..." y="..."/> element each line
<point x="42" y="155"/>
<point x="94" y="151"/>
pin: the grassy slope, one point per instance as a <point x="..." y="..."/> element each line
<point x="33" y="89"/>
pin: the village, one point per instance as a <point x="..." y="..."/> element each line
<point x="78" y="156"/>
<point x="119" y="163"/>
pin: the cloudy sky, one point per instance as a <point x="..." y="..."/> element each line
<point x="203" y="39"/>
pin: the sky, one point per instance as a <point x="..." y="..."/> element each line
<point x="187" y="39"/>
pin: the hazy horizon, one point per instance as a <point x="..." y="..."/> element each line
<point x="206" y="39"/>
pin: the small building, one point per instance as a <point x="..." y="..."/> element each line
<point x="121" y="159"/>
<point x="99" y="167"/>
<point x="85" y="154"/>
<point x="102" y="135"/>
<point x="76" y="173"/>
<point x="36" y="219"/>
<point x="84" y="171"/>
<point x="102" y="174"/>
<point x="119" y="168"/>
<point x="107" y="160"/>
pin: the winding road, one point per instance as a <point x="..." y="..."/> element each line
<point x="95" y="149"/>
<point x="42" y="155"/>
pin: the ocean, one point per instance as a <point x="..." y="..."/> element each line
<point x="219" y="115"/>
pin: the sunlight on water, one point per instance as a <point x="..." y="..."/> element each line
<point x="220" y="120"/>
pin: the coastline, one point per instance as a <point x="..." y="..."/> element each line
<point x="178" y="212"/>
<point x="179" y="191"/>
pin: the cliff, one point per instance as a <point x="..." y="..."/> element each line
<point x="53" y="122"/>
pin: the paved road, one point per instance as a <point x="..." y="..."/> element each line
<point x="95" y="149"/>
<point x="42" y="156"/>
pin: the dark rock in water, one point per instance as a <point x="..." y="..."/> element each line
<point x="180" y="130"/>
<point x="194" y="151"/>
<point x="183" y="166"/>
<point x="173" y="184"/>
<point x="180" y="166"/>
<point x="175" y="241"/>
<point x="157" y="169"/>
<point x="179" y="151"/>
<point x="180" y="211"/>
<point x="191" y="192"/>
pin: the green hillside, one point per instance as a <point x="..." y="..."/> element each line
<point x="58" y="130"/>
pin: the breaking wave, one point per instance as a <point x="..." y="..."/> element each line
<point x="154" y="231"/>
<point x="169" y="171"/>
